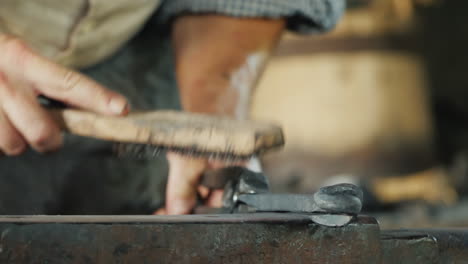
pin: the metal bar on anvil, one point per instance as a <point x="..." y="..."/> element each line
<point x="236" y="238"/>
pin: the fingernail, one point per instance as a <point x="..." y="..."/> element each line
<point x="118" y="105"/>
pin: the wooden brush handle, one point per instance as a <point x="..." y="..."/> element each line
<point x="195" y="133"/>
<point x="98" y="126"/>
<point x="175" y="129"/>
<point x="89" y="124"/>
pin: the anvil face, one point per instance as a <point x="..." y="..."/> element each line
<point x="223" y="238"/>
<point x="226" y="238"/>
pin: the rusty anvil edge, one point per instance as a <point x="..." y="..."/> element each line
<point x="238" y="238"/>
<point x="273" y="218"/>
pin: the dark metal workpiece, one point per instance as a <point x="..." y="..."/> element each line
<point x="247" y="192"/>
<point x="340" y="198"/>
<point x="275" y="202"/>
<point x="250" y="238"/>
<point x="336" y="199"/>
<point x="245" y="182"/>
<point x="333" y="208"/>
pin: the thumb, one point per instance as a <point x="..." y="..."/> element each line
<point x="184" y="176"/>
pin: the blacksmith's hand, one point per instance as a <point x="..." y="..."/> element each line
<point x="218" y="61"/>
<point x="24" y="75"/>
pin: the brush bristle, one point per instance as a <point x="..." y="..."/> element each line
<point x="146" y="151"/>
<point x="137" y="151"/>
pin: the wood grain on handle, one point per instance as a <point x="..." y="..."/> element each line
<point x="182" y="130"/>
<point x="93" y="125"/>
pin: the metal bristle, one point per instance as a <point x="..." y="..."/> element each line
<point x="147" y="151"/>
<point x="137" y="151"/>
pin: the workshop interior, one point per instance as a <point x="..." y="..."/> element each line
<point x="384" y="97"/>
<point x="353" y="148"/>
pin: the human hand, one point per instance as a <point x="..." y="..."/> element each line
<point x="183" y="187"/>
<point x="218" y="61"/>
<point x="24" y="75"/>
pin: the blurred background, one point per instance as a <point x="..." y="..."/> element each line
<point x="382" y="102"/>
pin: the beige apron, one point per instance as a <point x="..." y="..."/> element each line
<point x="75" y="33"/>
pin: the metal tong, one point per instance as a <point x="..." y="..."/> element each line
<point x="246" y="191"/>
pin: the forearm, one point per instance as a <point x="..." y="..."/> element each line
<point x="219" y="60"/>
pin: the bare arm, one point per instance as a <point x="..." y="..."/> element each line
<point x="219" y="59"/>
<point x="218" y="62"/>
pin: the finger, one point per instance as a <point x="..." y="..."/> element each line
<point x="58" y="82"/>
<point x="215" y="199"/>
<point x="203" y="191"/>
<point x="77" y="90"/>
<point x="161" y="211"/>
<point x="184" y="175"/>
<point x="28" y="117"/>
<point x="11" y="142"/>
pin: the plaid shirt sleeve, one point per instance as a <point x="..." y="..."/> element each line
<point x="303" y="16"/>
